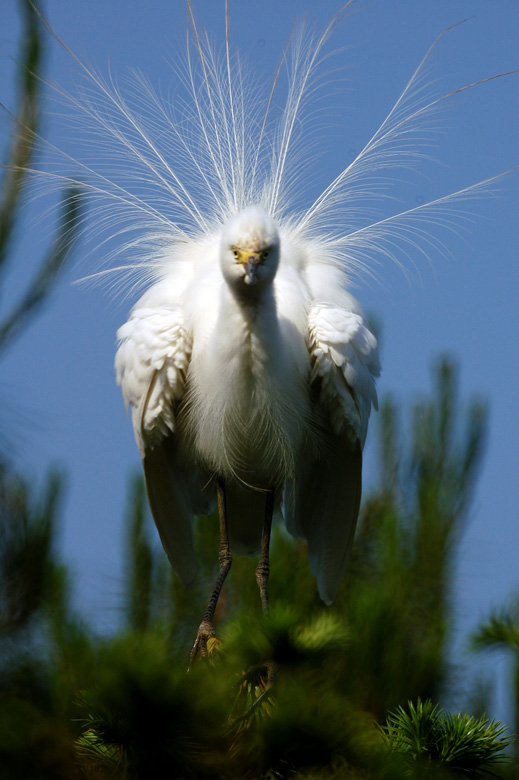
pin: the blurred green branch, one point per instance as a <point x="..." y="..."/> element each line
<point x="22" y="145"/>
<point x="500" y="631"/>
<point x="27" y="530"/>
<point x="14" y="182"/>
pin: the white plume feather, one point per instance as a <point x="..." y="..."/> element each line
<point x="170" y="171"/>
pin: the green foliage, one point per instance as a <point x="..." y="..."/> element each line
<point x="427" y="737"/>
<point x="145" y="717"/>
<point x="22" y="144"/>
<point x="39" y="661"/>
<point x="395" y="598"/>
<point x="34" y="744"/>
<point x="14" y="182"/>
<point x="501" y="632"/>
<point x="27" y="528"/>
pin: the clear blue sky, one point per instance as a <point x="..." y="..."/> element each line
<point x="59" y="399"/>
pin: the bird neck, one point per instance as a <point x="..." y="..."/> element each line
<point x="253" y="297"/>
<point x="250" y="319"/>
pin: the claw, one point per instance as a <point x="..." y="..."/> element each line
<point x="206" y="642"/>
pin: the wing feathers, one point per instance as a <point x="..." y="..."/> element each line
<point x="151" y="365"/>
<point x="345" y="361"/>
<point x="322" y="507"/>
<point x="322" y="503"/>
<point x="175" y="492"/>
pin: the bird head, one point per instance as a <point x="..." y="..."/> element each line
<point x="249" y="253"/>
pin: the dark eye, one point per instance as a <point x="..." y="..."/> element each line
<point x="236" y="254"/>
<point x="265" y="254"/>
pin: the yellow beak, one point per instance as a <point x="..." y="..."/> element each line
<point x="250" y="261"/>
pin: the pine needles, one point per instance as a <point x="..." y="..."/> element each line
<point x="429" y="737"/>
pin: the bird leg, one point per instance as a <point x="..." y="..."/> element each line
<point x="263" y="568"/>
<point x="206" y="628"/>
<point x="257" y="684"/>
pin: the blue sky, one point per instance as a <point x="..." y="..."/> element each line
<point x="61" y="405"/>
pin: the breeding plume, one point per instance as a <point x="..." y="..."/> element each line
<point x="248" y="366"/>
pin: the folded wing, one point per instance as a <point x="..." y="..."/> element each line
<point x="151" y="365"/>
<point x="322" y="502"/>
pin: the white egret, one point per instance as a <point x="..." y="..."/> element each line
<point x="248" y="366"/>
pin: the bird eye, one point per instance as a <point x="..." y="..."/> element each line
<point x="236" y="254"/>
<point x="265" y="254"/>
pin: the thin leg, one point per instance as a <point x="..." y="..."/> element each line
<point x="206" y="628"/>
<point x="259" y="678"/>
<point x="263" y="568"/>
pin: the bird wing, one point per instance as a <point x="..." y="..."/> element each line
<point x="322" y="502"/>
<point x="176" y="491"/>
<point x="151" y="365"/>
<point x="322" y="506"/>
<point x="345" y="363"/>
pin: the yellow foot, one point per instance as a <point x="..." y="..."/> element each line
<point x="206" y="642"/>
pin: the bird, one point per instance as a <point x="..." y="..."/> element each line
<point x="250" y="372"/>
<point x="248" y="366"/>
<point x="252" y="368"/>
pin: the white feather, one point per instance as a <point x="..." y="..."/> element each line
<point x="253" y="383"/>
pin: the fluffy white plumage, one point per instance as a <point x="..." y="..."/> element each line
<point x="265" y="384"/>
<point x="248" y="359"/>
